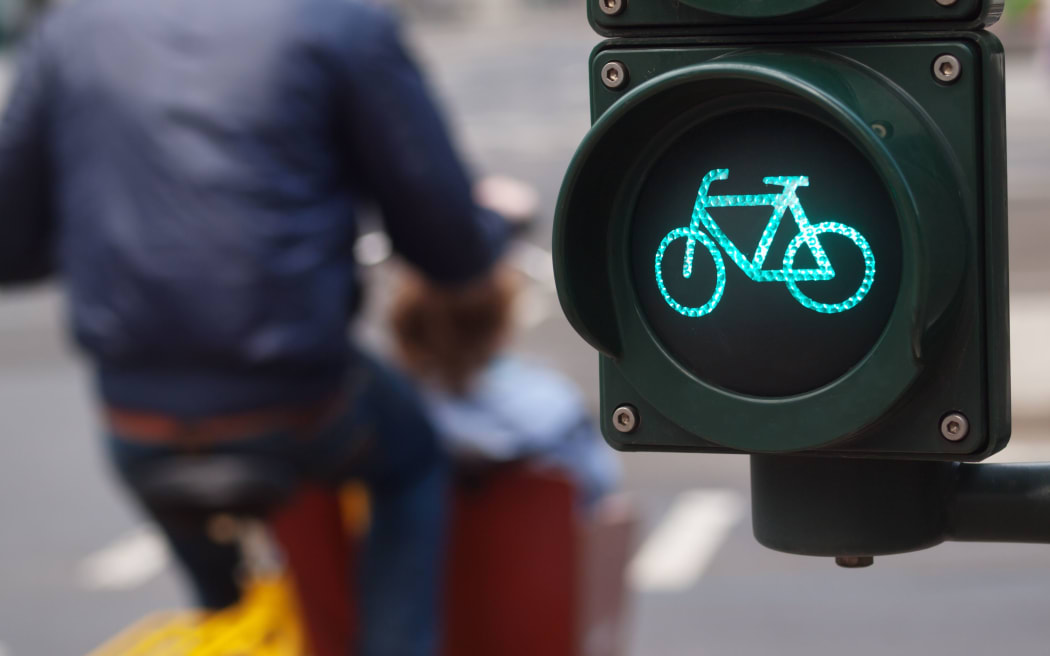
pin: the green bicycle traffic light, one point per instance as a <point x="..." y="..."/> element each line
<point x="787" y="234"/>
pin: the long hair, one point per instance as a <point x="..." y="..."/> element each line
<point x="448" y="335"/>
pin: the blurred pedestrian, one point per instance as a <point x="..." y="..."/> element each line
<point x="190" y="168"/>
<point x="483" y="400"/>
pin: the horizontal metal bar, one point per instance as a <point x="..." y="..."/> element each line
<point x="1001" y="503"/>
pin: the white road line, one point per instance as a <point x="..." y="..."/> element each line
<point x="537" y="302"/>
<point x="127" y="563"/>
<point x="682" y="546"/>
<point x="533" y="261"/>
<point x="1025" y="450"/>
<point x="1030" y="354"/>
<point x="533" y="308"/>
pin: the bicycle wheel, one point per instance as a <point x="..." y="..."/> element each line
<point x="844" y="231"/>
<point x="692" y="236"/>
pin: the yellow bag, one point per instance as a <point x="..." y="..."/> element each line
<point x="264" y="623"/>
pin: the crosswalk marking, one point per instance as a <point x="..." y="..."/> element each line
<point x="676" y="554"/>
<point x="1025" y="450"/>
<point x="535" y="262"/>
<point x="128" y="563"/>
<point x="1030" y="355"/>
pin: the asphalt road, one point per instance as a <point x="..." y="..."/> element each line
<point x="76" y="563"/>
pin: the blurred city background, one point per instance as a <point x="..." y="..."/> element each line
<point x="77" y="563"/>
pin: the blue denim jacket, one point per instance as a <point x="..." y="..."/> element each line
<point x="191" y="168"/>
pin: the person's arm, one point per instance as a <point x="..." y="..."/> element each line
<point x="26" y="221"/>
<point x="399" y="144"/>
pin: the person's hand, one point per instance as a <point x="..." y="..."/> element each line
<point x="449" y="333"/>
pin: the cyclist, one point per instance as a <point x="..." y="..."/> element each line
<point x="192" y="167"/>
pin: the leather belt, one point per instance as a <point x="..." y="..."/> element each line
<point x="156" y="428"/>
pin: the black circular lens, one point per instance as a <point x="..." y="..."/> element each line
<point x="766" y="252"/>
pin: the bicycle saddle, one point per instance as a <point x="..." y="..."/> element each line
<point x="196" y="486"/>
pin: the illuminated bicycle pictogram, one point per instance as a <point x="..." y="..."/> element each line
<point x="808" y="235"/>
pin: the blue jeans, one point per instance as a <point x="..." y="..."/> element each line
<point x="384" y="439"/>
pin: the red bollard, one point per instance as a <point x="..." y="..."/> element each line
<point x="310" y="530"/>
<point x="513" y="567"/>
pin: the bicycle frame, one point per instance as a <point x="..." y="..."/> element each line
<point x="787" y="199"/>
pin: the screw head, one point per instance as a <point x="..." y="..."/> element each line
<point x="955" y="427"/>
<point x="612" y="7"/>
<point x="614" y="75"/>
<point x="625" y="419"/>
<point x="947" y="68"/>
<point x="946" y="3"/>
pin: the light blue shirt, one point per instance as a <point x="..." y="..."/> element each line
<point x="516" y="409"/>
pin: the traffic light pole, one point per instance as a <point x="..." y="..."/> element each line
<point x="854" y="509"/>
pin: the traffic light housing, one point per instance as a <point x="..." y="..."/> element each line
<point x="692" y="17"/>
<point x="787" y="232"/>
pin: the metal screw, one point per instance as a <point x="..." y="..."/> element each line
<point x="854" y="562"/>
<point x="614" y="75"/>
<point x="880" y="130"/>
<point x="947" y="68"/>
<point x="955" y="427"/>
<point x="625" y="419"/>
<point x="613" y="7"/>
<point x="946" y="3"/>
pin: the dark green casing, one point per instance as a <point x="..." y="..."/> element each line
<point x="694" y="17"/>
<point x="945" y="345"/>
